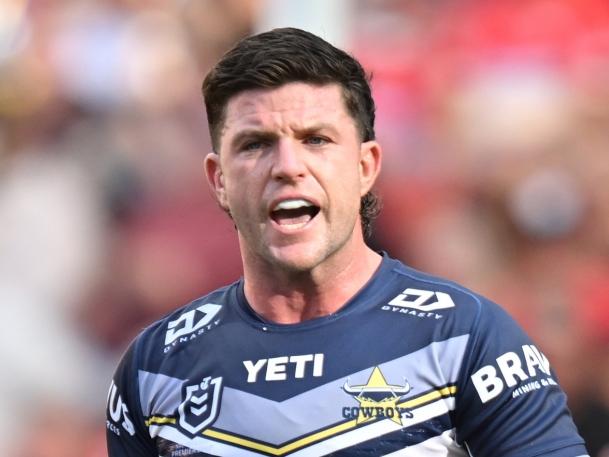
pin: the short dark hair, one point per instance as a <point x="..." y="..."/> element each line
<point x="280" y="56"/>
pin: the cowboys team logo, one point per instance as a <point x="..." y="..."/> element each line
<point x="377" y="399"/>
<point x="200" y="405"/>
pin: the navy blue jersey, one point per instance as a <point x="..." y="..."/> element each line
<point x="411" y="366"/>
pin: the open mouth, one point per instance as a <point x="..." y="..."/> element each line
<point x="294" y="213"/>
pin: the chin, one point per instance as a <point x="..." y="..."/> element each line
<point x="297" y="259"/>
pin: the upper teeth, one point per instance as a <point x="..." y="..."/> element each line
<point x="292" y="204"/>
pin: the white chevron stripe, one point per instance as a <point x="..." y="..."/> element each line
<point x="437" y="364"/>
<point x="345" y="440"/>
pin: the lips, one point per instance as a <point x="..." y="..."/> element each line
<point x="293" y="212"/>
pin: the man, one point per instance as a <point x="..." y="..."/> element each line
<point x="325" y="347"/>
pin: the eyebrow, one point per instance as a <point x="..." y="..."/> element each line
<point x="261" y="134"/>
<point x="317" y="127"/>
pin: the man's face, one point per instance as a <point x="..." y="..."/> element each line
<point x="291" y="170"/>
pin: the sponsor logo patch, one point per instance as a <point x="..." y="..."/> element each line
<point x="420" y="303"/>
<point x="282" y="368"/>
<point x="118" y="413"/>
<point x="191" y="324"/>
<point x="514" y="370"/>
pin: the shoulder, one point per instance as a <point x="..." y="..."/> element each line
<point x="429" y="293"/>
<point x="183" y="324"/>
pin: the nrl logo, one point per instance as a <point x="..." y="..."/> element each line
<point x="200" y="406"/>
<point x="377" y="399"/>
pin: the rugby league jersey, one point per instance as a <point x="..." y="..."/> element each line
<point x="411" y="366"/>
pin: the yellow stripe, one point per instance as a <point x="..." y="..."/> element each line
<point x="419" y="401"/>
<point x="160" y="420"/>
<point x="284" y="449"/>
<point x="429" y="397"/>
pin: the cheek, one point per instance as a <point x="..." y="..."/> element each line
<point x="242" y="193"/>
<point x="348" y="180"/>
<point x="235" y="196"/>
<point x="345" y="189"/>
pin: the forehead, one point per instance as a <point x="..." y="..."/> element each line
<point x="291" y="105"/>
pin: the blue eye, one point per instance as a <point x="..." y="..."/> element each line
<point x="253" y="146"/>
<point x="316" y="140"/>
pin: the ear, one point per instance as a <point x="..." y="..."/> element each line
<point x="215" y="178"/>
<point x="369" y="165"/>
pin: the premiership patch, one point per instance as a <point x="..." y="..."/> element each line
<point x="200" y="405"/>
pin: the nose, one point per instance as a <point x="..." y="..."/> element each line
<point x="288" y="161"/>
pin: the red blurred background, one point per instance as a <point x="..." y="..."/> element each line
<point x="494" y="117"/>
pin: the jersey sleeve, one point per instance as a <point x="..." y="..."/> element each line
<point x="509" y="402"/>
<point x="126" y="432"/>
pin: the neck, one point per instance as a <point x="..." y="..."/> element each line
<point x="288" y="297"/>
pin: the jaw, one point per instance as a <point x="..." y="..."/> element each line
<point x="297" y="249"/>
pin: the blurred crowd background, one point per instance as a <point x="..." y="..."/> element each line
<point x="494" y="117"/>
